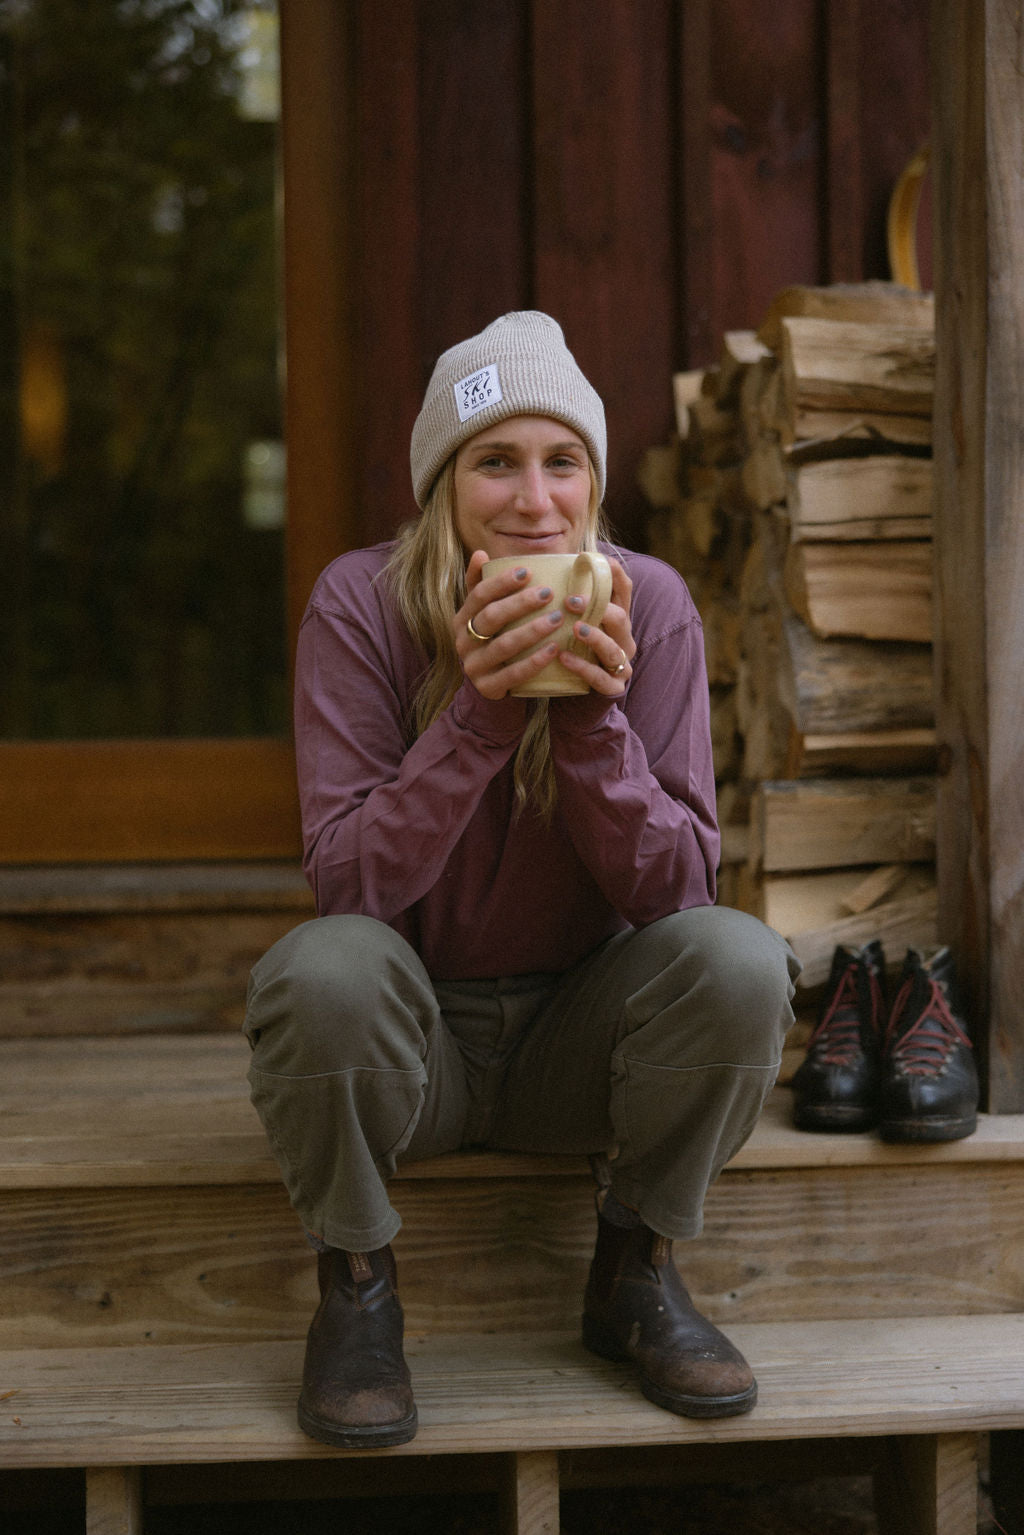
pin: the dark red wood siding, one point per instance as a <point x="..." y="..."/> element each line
<point x="650" y="172"/>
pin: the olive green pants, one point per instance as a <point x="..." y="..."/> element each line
<point x="658" y="1049"/>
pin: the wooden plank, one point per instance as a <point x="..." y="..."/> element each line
<point x="979" y="536"/>
<point x="883" y="495"/>
<point x="906" y="922"/>
<point x="842" y="365"/>
<point x="840" y="822"/>
<point x="530" y="1494"/>
<point x="131" y="801"/>
<point x="804" y="1226"/>
<point x="869" y="303"/>
<point x="603" y="259"/>
<point x="879" y="590"/>
<point x="695" y="232"/>
<point x="844" y="211"/>
<point x="927" y="1484"/>
<point x="176" y="973"/>
<point x="318" y="159"/>
<point x="512" y="1393"/>
<point x="113" y="1500"/>
<point x="143" y="888"/>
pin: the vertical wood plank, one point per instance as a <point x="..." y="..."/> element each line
<point x="387" y="44"/>
<point x="113" y="1500"/>
<point x="978" y="532"/>
<point x="316" y="152"/>
<point x="843" y="199"/>
<point x="927" y="1484"/>
<point x="766" y="157"/>
<point x="530" y="1493"/>
<point x="695" y="231"/>
<point x="603" y="247"/>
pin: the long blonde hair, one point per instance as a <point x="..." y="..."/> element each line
<point x="427" y="575"/>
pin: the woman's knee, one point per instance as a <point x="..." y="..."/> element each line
<point x="334" y="993"/>
<point x="749" y="974"/>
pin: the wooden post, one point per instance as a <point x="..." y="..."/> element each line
<point x="317" y="148"/>
<point x="977" y="152"/>
<point x="530" y="1493"/>
<point x="927" y="1484"/>
<point x="113" y="1500"/>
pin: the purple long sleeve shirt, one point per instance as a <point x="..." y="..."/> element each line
<point x="424" y="834"/>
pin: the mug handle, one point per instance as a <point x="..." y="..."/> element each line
<point x="600" y="573"/>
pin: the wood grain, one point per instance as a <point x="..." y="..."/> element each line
<point x="512" y="1393"/>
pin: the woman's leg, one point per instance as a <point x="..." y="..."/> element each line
<point x="663" y="1046"/>
<point x="352" y="1066"/>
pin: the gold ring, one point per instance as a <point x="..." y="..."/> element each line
<point x="617" y="671"/>
<point x="476" y="633"/>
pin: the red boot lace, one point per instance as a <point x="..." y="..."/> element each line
<point x="922" y="1052"/>
<point x="838" y="1033"/>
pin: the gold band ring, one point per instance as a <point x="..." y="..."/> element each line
<point x="476" y="633"/>
<point x="617" y="671"/>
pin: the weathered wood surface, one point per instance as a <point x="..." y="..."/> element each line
<point x="841" y="365"/>
<point x="881" y="496"/>
<point x="845" y="1238"/>
<point x="839" y="822"/>
<point x="928" y="1485"/>
<point x="168" y="972"/>
<point x="156" y="1406"/>
<point x="870" y="303"/>
<point x="978" y="116"/>
<point x="909" y="921"/>
<point x="878" y="590"/>
<point x="119" y="889"/>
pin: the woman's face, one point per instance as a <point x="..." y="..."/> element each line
<point x="522" y="487"/>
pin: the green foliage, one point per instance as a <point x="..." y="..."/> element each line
<point x="138" y="243"/>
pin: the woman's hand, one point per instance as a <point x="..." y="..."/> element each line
<point x="495" y="662"/>
<point x="608" y="667"/>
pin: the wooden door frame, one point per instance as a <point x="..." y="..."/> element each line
<point x="168" y="800"/>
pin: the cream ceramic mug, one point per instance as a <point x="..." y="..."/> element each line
<point x="568" y="575"/>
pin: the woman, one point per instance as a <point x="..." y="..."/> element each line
<point x="516" y="944"/>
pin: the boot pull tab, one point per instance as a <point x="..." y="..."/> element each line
<point x="359" y="1267"/>
<point x="661" y="1250"/>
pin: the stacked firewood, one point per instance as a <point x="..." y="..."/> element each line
<point x="795" y="499"/>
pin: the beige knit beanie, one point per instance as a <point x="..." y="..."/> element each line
<point x="519" y="366"/>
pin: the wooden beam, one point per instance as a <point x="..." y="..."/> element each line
<point x="978" y="113"/>
<point x="317" y="151"/>
<point x="843" y="190"/>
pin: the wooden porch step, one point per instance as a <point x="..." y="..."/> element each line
<point x="931" y="1386"/>
<point x="147" y="1158"/>
<point x="174" y="1110"/>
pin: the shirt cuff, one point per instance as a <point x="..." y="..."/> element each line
<point x="500" y="720"/>
<point x="579" y="715"/>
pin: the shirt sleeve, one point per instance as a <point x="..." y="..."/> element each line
<point x="380" y="817"/>
<point x="636" y="782"/>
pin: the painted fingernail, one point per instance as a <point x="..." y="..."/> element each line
<point x="574" y="602"/>
<point x="544" y="593"/>
<point x="583" y="630"/>
<point x="522" y="573"/>
<point x="554" y="618"/>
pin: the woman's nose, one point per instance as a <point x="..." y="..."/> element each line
<point x="531" y="492"/>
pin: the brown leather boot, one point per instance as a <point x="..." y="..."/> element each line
<point x="637" y="1308"/>
<point x="356" y="1390"/>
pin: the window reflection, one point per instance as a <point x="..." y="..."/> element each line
<point x="141" y="461"/>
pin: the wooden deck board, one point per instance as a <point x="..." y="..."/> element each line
<point x="163" y="1405"/>
<point x="168" y="1111"/>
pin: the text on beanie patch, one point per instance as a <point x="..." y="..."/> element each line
<point x="478" y="390"/>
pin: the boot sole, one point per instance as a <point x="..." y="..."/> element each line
<point x="836" y="1121"/>
<point x="599" y="1342"/>
<point x="925" y="1130"/>
<point x="347" y="1436"/>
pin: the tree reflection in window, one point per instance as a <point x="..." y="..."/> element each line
<point x="141" y="464"/>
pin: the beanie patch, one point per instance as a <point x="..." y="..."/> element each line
<point x="477" y="390"/>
